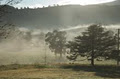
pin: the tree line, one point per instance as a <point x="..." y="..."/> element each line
<point x="95" y="43"/>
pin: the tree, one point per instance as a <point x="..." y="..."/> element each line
<point x="118" y="47"/>
<point x="6" y="29"/>
<point x="28" y="36"/>
<point x="95" y="43"/>
<point x="4" y="4"/>
<point x="56" y="41"/>
<point x="116" y="53"/>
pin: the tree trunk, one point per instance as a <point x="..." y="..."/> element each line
<point x="92" y="53"/>
<point x="92" y="62"/>
<point x="93" y="48"/>
<point x="92" y="58"/>
<point x="117" y="62"/>
<point x="56" y="60"/>
<point x="60" y="58"/>
<point x="118" y="47"/>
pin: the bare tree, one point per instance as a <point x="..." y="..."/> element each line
<point x="4" y="3"/>
<point x="6" y="28"/>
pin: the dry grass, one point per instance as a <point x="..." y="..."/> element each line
<point x="50" y="72"/>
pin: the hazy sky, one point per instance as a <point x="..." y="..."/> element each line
<point x="40" y="3"/>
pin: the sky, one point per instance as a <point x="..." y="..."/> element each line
<point x="41" y="3"/>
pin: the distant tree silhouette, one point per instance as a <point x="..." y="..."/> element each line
<point x="42" y="36"/>
<point x="27" y="7"/>
<point x="28" y="36"/>
<point x="54" y="5"/>
<point x="43" y="6"/>
<point x="94" y="43"/>
<point x="21" y="8"/>
<point x="56" y="41"/>
<point x="49" y="5"/>
<point x="57" y="4"/>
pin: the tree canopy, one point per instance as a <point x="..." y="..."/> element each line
<point x="56" y="41"/>
<point x="95" y="43"/>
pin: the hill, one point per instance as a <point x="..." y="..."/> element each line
<point x="63" y="16"/>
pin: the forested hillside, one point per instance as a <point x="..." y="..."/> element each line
<point x="62" y="16"/>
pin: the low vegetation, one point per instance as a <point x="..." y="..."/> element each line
<point x="59" y="71"/>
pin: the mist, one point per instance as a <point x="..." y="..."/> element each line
<point x="18" y="50"/>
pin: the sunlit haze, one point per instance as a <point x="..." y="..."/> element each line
<point x="41" y="3"/>
<point x="84" y="2"/>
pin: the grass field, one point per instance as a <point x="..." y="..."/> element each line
<point x="59" y="71"/>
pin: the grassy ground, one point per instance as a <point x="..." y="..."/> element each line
<point x="63" y="71"/>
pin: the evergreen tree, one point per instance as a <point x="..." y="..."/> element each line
<point x="116" y="53"/>
<point x="95" y="43"/>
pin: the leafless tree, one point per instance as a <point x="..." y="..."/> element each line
<point x="5" y="27"/>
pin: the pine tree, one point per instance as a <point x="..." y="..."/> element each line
<point x="95" y="43"/>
